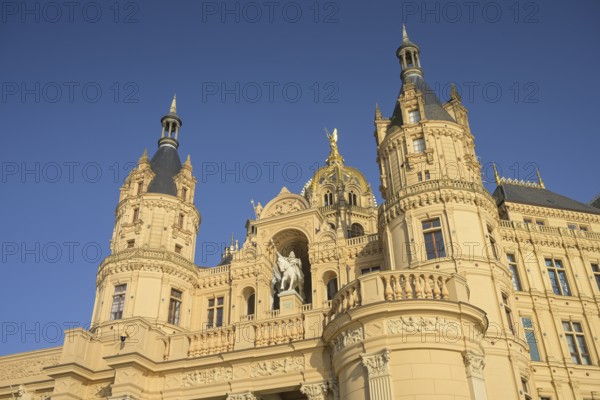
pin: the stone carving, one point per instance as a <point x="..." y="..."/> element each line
<point x="290" y="268"/>
<point x="22" y="393"/>
<point x="257" y="209"/>
<point x="285" y="207"/>
<point x="101" y="391"/>
<point x="348" y="338"/>
<point x="28" y="367"/>
<point x="376" y="364"/>
<point x="474" y="363"/>
<point x="418" y="325"/>
<point x="276" y="367"/>
<point x="207" y="376"/>
<point x="316" y="391"/>
<point x="241" y="396"/>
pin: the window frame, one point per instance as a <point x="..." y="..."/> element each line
<point x="419" y="145"/>
<point x="573" y="333"/>
<point x="596" y="273"/>
<point x="508" y="312"/>
<point x="513" y="266"/>
<point x="432" y="232"/>
<point x="531" y="339"/>
<point x="215" y="309"/>
<point x="118" y="296"/>
<point x="175" y="302"/>
<point x="555" y="274"/>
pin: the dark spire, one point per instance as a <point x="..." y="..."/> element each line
<point x="171" y="124"/>
<point x="166" y="163"/>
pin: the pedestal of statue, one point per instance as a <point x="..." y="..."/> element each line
<point x="290" y="303"/>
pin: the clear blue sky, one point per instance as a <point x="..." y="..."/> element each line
<point x="83" y="90"/>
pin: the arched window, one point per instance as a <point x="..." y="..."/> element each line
<point x="251" y="304"/>
<point x="356" y="230"/>
<point x="328" y="198"/>
<point x="332" y="288"/>
<point x="352" y="199"/>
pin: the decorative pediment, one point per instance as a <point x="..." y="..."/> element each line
<point x="284" y="203"/>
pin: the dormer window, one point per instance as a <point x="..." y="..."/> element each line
<point x="352" y="199"/>
<point x="419" y="145"/>
<point x="414" y="116"/>
<point x="328" y="198"/>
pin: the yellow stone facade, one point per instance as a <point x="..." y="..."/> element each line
<point x="444" y="291"/>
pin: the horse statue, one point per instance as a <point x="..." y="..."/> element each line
<point x="288" y="272"/>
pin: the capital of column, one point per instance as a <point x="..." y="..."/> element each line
<point x="315" y="391"/>
<point x="376" y="363"/>
<point x="242" y="396"/>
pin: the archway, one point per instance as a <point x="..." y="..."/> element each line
<point x="294" y="240"/>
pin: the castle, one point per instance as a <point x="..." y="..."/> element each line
<point x="444" y="291"/>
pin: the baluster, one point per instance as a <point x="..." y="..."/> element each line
<point x="387" y="292"/>
<point x="427" y="289"/>
<point x="436" y="288"/>
<point x="301" y="328"/>
<point x="445" y="293"/>
<point x="203" y="339"/>
<point x="271" y="332"/>
<point x="279" y="327"/>
<point x="408" y="287"/>
<point x="397" y="288"/>
<point x="418" y="287"/>
<point x="351" y="302"/>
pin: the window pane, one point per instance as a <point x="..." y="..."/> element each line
<point x="566" y="326"/>
<point x="515" y="277"/>
<point x="219" y="317"/>
<point x="572" y="349"/>
<point x="220" y="301"/>
<point x="595" y="268"/>
<point x="554" y="282"/>
<point x="511" y="258"/>
<point x="211" y="317"/>
<point x="577" y="327"/>
<point x="211" y="302"/>
<point x="534" y="352"/>
<point x="564" y="283"/>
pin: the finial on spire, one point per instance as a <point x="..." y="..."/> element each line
<point x="377" y="112"/>
<point x="334" y="154"/>
<point x="404" y="34"/>
<point x="144" y="157"/>
<point x="454" y="95"/>
<point x="496" y="176"/>
<point x="173" y="109"/>
<point x="540" y="181"/>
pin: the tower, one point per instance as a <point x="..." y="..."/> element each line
<point x="437" y="217"/>
<point x="151" y="264"/>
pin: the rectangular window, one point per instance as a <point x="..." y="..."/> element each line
<point x="558" y="277"/>
<point x="184" y="193"/>
<point x="368" y="270"/>
<point x="572" y="226"/>
<point x="419" y="176"/>
<point x="527" y="220"/>
<point x="492" y="243"/>
<point x="427" y="176"/>
<point x="178" y="249"/>
<point x="131" y="244"/>
<point x="540" y="222"/>
<point x="534" y="352"/>
<point x="583" y="228"/>
<point x="508" y="313"/>
<point x="525" y="386"/>
<point x="174" y="307"/>
<point x="140" y="187"/>
<point x="118" y="303"/>
<point x="414" y="117"/>
<point x="180" y="220"/>
<point x="419" y="145"/>
<point x="512" y="265"/>
<point x="596" y="271"/>
<point x="434" y="241"/>
<point x="576" y="342"/>
<point x="215" y="312"/>
<point x="136" y="214"/>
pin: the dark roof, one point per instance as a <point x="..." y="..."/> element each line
<point x="539" y="197"/>
<point x="433" y="106"/>
<point x="165" y="164"/>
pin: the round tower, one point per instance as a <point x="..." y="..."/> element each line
<point x="150" y="271"/>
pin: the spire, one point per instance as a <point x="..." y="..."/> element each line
<point x="334" y="155"/>
<point x="408" y="54"/>
<point x="496" y="175"/>
<point x="171" y="124"/>
<point x="378" y="115"/>
<point x="144" y="157"/>
<point x="540" y="181"/>
<point x="173" y="109"/>
<point x="454" y="95"/>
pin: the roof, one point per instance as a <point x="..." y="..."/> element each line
<point x="166" y="165"/>
<point x="433" y="106"/>
<point x="540" y="197"/>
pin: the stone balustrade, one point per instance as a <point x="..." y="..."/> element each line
<point x="212" y="341"/>
<point x="552" y="230"/>
<point x="279" y="331"/>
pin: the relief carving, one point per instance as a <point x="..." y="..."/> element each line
<point x="475" y="363"/>
<point x="208" y="376"/>
<point x="376" y="364"/>
<point x="25" y="368"/>
<point x="285" y="207"/>
<point x="276" y="367"/>
<point x="418" y="325"/>
<point x="348" y="338"/>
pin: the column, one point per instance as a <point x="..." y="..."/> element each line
<point x="379" y="376"/>
<point x="475" y="364"/>
<point x="315" y="391"/>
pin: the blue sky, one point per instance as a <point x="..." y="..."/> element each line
<point x="84" y="87"/>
